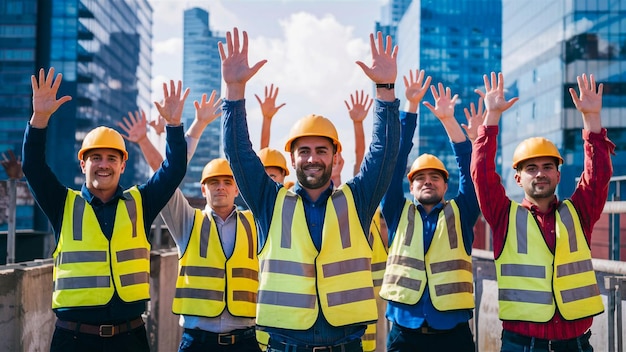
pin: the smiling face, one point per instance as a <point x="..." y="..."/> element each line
<point x="103" y="168"/>
<point x="428" y="186"/>
<point x="220" y="193"/>
<point x="538" y="177"/>
<point x="312" y="157"/>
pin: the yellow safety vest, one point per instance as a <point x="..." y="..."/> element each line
<point x="208" y="282"/>
<point x="379" y="262"/>
<point x="297" y="280"/>
<point x="446" y="268"/>
<point x="89" y="268"/>
<point x="529" y="286"/>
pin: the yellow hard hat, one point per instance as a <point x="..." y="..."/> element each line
<point x="426" y="161"/>
<point x="103" y="137"/>
<point x="535" y="147"/>
<point x="313" y="125"/>
<point x="216" y="167"/>
<point x="272" y="157"/>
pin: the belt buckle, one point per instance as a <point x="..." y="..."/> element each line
<point x="229" y="341"/>
<point x="106" y="330"/>
<point x="322" y="349"/>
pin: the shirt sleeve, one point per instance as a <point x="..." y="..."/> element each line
<point x="393" y="200"/>
<point x="48" y="191"/>
<point x="592" y="190"/>
<point x="370" y="184"/>
<point x="179" y="217"/>
<point x="491" y="195"/>
<point x="258" y="190"/>
<point x="466" y="198"/>
<point x="160" y="187"/>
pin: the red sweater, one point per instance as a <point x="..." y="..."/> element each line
<point x="588" y="199"/>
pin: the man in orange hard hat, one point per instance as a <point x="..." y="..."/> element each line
<point x="218" y="267"/>
<point x="102" y="257"/>
<point x="547" y="289"/>
<point x="428" y="280"/>
<point x="315" y="288"/>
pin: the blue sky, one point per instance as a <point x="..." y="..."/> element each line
<point x="311" y="48"/>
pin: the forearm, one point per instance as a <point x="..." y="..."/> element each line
<point x="359" y="145"/>
<point x="454" y="130"/>
<point x="150" y="153"/>
<point x="265" y="132"/>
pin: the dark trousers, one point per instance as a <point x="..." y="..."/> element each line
<point x="512" y="342"/>
<point x="205" y="341"/>
<point x="71" y="341"/>
<point x="458" y="339"/>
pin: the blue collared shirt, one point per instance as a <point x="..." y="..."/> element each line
<point x="260" y="192"/>
<point x="414" y="316"/>
<point x="50" y="195"/>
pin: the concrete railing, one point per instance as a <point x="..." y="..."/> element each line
<point x="27" y="322"/>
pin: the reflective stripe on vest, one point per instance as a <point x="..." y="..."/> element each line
<point x="205" y="274"/>
<point x="527" y="283"/>
<point x="295" y="277"/>
<point x="446" y="268"/>
<point x="89" y="268"/>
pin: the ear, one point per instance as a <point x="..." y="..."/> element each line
<point x="518" y="179"/>
<point x="82" y="167"/>
<point x="123" y="167"/>
<point x="203" y="189"/>
<point x="293" y="160"/>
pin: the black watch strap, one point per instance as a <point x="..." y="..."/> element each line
<point x="385" y="85"/>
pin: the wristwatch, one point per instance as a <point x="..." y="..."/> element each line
<point x="385" y="85"/>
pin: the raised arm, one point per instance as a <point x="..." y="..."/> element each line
<point x="444" y="111"/>
<point x="384" y="66"/>
<point x="268" y="110"/>
<point x="45" y="101"/>
<point x="135" y="127"/>
<point x="361" y="104"/>
<point x="12" y="165"/>
<point x="589" y="102"/>
<point x="171" y="108"/>
<point x="495" y="102"/>
<point x="235" y="69"/>
<point x="415" y="88"/>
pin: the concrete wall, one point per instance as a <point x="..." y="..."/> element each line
<point x="27" y="322"/>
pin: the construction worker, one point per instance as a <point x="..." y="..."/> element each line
<point x="547" y="289"/>
<point x="218" y="267"/>
<point x="430" y="238"/>
<point x="102" y="257"/>
<point x="315" y="289"/>
<point x="275" y="164"/>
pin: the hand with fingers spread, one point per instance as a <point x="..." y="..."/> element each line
<point x="171" y="107"/>
<point x="416" y="87"/>
<point x="45" y="102"/>
<point x="135" y="127"/>
<point x="268" y="110"/>
<point x="12" y="165"/>
<point x="384" y="66"/>
<point x="235" y="69"/>
<point x="361" y="104"/>
<point x="158" y="125"/>
<point x="444" y="111"/>
<point x="475" y="117"/>
<point x="589" y="102"/>
<point x="495" y="102"/>
<point x="207" y="110"/>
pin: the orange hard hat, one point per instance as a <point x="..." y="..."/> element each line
<point x="535" y="147"/>
<point x="216" y="167"/>
<point x="426" y="161"/>
<point x="313" y="126"/>
<point x="272" y="157"/>
<point x="103" y="137"/>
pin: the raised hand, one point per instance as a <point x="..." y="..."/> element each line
<point x="135" y="126"/>
<point x="268" y="105"/>
<point x="361" y="104"/>
<point x="158" y="125"/>
<point x="384" y="67"/>
<point x="589" y="102"/>
<point x="444" y="102"/>
<point x="12" y="165"/>
<point x="494" y="94"/>
<point x="235" y="69"/>
<point x="416" y="87"/>
<point x="208" y="110"/>
<point x="475" y="117"/>
<point x="171" y="107"/>
<point x="45" y="102"/>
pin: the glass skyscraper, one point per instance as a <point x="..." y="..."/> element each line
<point x="454" y="42"/>
<point x="546" y="44"/>
<point x="202" y="74"/>
<point x="103" y="49"/>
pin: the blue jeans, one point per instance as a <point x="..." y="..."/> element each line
<point x="512" y="342"/>
<point x="202" y="341"/>
<point x="458" y="339"/>
<point x="70" y="341"/>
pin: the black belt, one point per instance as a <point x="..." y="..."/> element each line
<point x="101" y="330"/>
<point x="342" y="347"/>
<point x="227" y="338"/>
<point x="427" y="330"/>
<point x="550" y="345"/>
